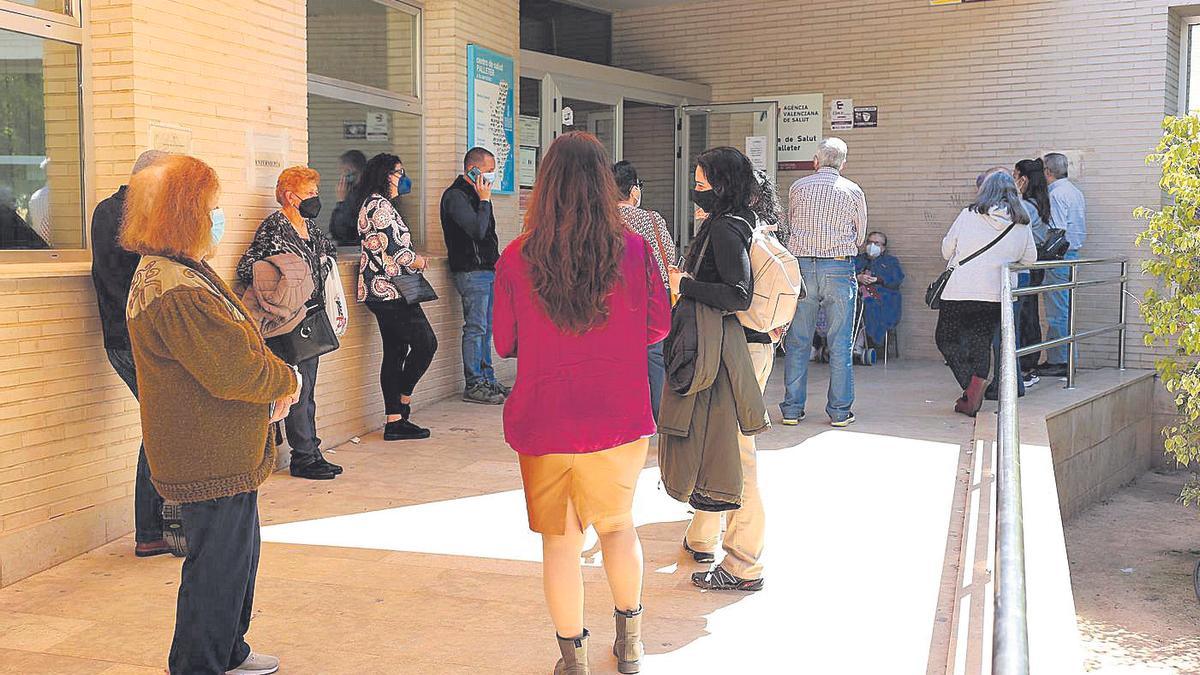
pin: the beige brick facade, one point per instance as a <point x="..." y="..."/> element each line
<point x="959" y="89"/>
<point x="69" y="430"/>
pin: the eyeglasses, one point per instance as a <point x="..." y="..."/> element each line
<point x="638" y="184"/>
<point x="398" y="172"/>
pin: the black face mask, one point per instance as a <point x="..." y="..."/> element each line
<point x="705" y="199"/>
<point x="311" y="207"/>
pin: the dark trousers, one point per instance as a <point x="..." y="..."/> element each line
<point x="1030" y="326"/>
<point x="216" y="588"/>
<point x="993" y="387"/>
<point x="147" y="503"/>
<point x="301" y="422"/>
<point x="658" y="375"/>
<point x="408" y="348"/>
<point x="965" y="329"/>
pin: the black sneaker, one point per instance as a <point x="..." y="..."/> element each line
<point x="403" y="430"/>
<point x="483" y="393"/>
<point x="501" y="388"/>
<point x="314" y="470"/>
<point x="717" y="579"/>
<point x="699" y="556"/>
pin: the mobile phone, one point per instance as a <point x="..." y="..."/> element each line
<point x="474" y="174"/>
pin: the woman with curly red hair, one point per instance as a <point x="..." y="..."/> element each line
<point x="580" y="298"/>
<point x="209" y="388"/>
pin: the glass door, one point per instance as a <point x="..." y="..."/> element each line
<point x="749" y="127"/>
<point x="593" y="117"/>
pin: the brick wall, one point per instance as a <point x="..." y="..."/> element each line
<point x="69" y="429"/>
<point x="959" y="89"/>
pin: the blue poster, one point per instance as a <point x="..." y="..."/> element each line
<point x="490" y="118"/>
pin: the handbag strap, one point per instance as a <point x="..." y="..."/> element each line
<point x="983" y="250"/>
<point x="662" y="249"/>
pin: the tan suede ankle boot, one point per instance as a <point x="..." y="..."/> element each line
<point x="628" y="647"/>
<point x="574" y="659"/>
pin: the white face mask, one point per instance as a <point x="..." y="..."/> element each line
<point x="490" y="177"/>
<point x="874" y="250"/>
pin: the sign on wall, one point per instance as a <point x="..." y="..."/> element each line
<point x="528" y="168"/>
<point x="866" y="116"/>
<point x="170" y="138"/>
<point x="490" y="116"/>
<point x="756" y="150"/>
<point x="800" y="129"/>
<point x="379" y="126"/>
<point x="841" y="114"/>
<point x="267" y="158"/>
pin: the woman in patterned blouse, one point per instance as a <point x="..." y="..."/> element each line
<point x="291" y="230"/>
<point x="408" y="340"/>
<point x="653" y="228"/>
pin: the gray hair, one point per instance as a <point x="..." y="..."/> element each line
<point x="1056" y="163"/>
<point x="831" y="153"/>
<point x="146" y="159"/>
<point x="1000" y="191"/>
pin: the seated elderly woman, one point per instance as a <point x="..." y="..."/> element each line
<point x="209" y="388"/>
<point x="879" y="278"/>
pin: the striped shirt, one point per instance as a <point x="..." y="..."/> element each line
<point x="827" y="216"/>
<point x="653" y="228"/>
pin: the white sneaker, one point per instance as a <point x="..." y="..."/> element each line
<point x="256" y="664"/>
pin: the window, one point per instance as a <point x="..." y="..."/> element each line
<point x="364" y="94"/>
<point x="567" y="30"/>
<point x="41" y="159"/>
<point x="1189" y="67"/>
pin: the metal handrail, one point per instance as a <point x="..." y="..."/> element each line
<point x="1010" y="644"/>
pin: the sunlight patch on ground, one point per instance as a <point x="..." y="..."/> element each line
<point x="856" y="534"/>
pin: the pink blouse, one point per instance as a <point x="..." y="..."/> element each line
<point x="580" y="393"/>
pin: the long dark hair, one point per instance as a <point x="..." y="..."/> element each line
<point x="765" y="203"/>
<point x="574" y="237"/>
<point x="374" y="180"/>
<point x="731" y="176"/>
<point x="1036" y="188"/>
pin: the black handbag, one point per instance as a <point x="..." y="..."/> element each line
<point x="313" y="337"/>
<point x="1055" y="246"/>
<point x="933" y="294"/>
<point x="413" y="288"/>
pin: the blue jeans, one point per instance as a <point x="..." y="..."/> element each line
<point x="301" y="422"/>
<point x="216" y="586"/>
<point x="478" y="301"/>
<point x="658" y="375"/>
<point x="1058" y="307"/>
<point x="830" y="286"/>
<point x="147" y="503"/>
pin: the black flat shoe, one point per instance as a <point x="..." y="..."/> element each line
<point x="403" y="430"/>
<point x="699" y="556"/>
<point x="312" y="471"/>
<point x="335" y="468"/>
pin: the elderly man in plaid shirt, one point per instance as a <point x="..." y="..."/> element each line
<point x="828" y="223"/>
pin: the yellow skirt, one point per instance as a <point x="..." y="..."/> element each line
<point x="599" y="484"/>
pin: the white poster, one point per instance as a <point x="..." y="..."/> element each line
<point x="170" y="138"/>
<point x="267" y="158"/>
<point x="841" y="114"/>
<point x="800" y="129"/>
<point x="531" y="131"/>
<point x="527" y="169"/>
<point x="756" y="150"/>
<point x="379" y="126"/>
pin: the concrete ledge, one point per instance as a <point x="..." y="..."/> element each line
<point x="30" y="550"/>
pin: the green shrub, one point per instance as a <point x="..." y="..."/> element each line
<point x="1172" y="311"/>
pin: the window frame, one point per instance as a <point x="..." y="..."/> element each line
<point x="1185" y="65"/>
<point x="47" y="25"/>
<point x="362" y="94"/>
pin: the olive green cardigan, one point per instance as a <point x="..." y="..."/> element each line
<point x="205" y="382"/>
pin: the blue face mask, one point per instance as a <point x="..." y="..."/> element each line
<point x="490" y="177"/>
<point x="218" y="224"/>
<point x="404" y="186"/>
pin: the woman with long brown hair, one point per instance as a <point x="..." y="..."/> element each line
<point x="585" y="298"/>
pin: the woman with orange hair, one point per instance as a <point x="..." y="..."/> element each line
<point x="291" y="230"/>
<point x="209" y="389"/>
<point x="585" y="299"/>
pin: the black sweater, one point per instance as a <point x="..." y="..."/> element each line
<point x="469" y="227"/>
<point x="723" y="278"/>
<point x="112" y="270"/>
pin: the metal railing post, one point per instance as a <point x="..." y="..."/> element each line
<point x="1071" y="329"/>
<point x="1123" y="318"/>
<point x="1010" y="645"/>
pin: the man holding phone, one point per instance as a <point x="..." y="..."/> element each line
<point x="469" y="227"/>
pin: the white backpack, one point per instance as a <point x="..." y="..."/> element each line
<point x="778" y="285"/>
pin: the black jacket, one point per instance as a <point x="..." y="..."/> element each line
<point x="112" y="270"/>
<point x="722" y="278"/>
<point x="470" y="229"/>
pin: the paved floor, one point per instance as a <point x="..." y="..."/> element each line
<point x="417" y="560"/>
